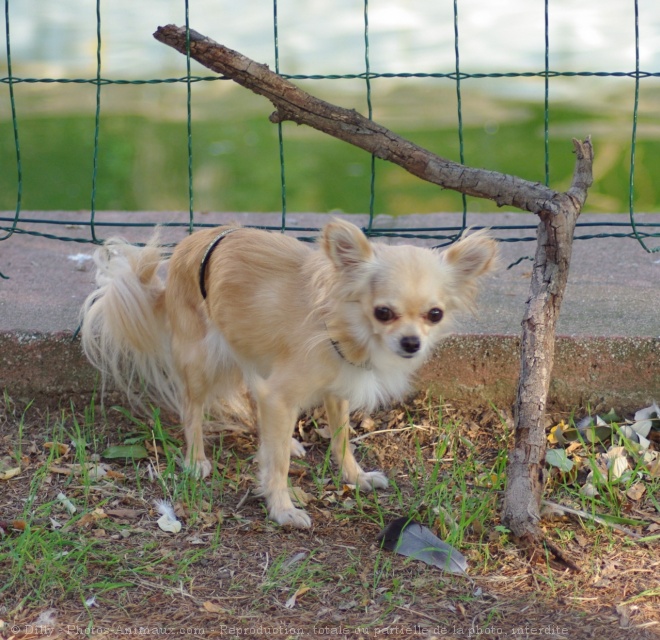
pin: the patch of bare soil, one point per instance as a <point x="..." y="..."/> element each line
<point x="109" y="570"/>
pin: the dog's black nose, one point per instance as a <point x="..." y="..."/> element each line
<point x="411" y="344"/>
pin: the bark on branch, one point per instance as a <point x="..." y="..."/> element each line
<point x="294" y="104"/>
<point x="558" y="213"/>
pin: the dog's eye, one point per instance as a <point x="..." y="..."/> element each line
<point x="435" y="315"/>
<point x="384" y="314"/>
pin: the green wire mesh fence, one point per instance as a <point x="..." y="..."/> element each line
<point x="19" y="223"/>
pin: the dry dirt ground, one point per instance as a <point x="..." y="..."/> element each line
<point x="109" y="570"/>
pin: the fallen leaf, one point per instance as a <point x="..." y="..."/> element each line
<point x="559" y="458"/>
<point x="589" y="490"/>
<point x="212" y="607"/>
<point x="653" y="466"/>
<point x="129" y="514"/>
<point x="92" y="518"/>
<point x="59" y="448"/>
<point x="617" y="463"/>
<point x="64" y="471"/>
<point x="590" y="433"/>
<point x="368" y="424"/>
<point x="115" y="475"/>
<point x="8" y="474"/>
<point x="17" y="525"/>
<point x="556" y="435"/>
<point x="642" y="427"/>
<point x="300" y="496"/>
<point x="97" y="471"/>
<point x="610" y="416"/>
<point x="636" y="491"/>
<point x="649" y="413"/>
<point x="291" y="602"/>
<point x="324" y="432"/>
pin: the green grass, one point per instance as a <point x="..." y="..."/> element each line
<point x="143" y="161"/>
<point x="456" y="494"/>
<point x="450" y="478"/>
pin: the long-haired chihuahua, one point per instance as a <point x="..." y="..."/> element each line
<point x="243" y="309"/>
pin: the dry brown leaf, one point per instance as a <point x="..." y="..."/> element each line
<point x="324" y="432"/>
<point x="212" y="607"/>
<point x="636" y="491"/>
<point x="653" y="467"/>
<point x="92" y="518"/>
<point x="300" y="496"/>
<point x="64" y="471"/>
<point x="8" y="474"/>
<point x="291" y="602"/>
<point x="368" y="424"/>
<point x="129" y="514"/>
<point x="17" y="525"/>
<point x="59" y="448"/>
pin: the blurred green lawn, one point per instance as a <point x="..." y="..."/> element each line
<point x="143" y="158"/>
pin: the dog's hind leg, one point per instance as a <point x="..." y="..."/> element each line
<point x="193" y="419"/>
<point x="342" y="452"/>
<point x="190" y="357"/>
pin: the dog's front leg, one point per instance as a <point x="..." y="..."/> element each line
<point x="342" y="451"/>
<point x="276" y="422"/>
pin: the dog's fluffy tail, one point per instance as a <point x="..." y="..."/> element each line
<point x="124" y="324"/>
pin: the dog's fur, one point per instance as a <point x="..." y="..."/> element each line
<point x="346" y="326"/>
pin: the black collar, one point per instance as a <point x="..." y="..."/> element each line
<point x="207" y="257"/>
<point x="365" y="365"/>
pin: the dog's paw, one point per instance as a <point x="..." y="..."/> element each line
<point x="369" y="480"/>
<point x="198" y="468"/>
<point x="292" y="518"/>
<point x="297" y="449"/>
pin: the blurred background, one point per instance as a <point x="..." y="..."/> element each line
<point x="143" y="134"/>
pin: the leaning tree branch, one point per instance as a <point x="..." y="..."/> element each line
<point x="558" y="213"/>
<point x="294" y="104"/>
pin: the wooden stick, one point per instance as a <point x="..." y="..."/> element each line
<point x="294" y="104"/>
<point x="588" y="516"/>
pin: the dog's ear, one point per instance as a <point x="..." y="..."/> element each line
<point x="345" y="244"/>
<point x="472" y="256"/>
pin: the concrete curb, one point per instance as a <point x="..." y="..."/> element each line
<point x="607" y="351"/>
<point x="596" y="373"/>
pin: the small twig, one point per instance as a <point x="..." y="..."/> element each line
<point x="167" y="587"/>
<point x="242" y="501"/>
<point x="419" y="613"/>
<point x="589" y="516"/>
<point x="559" y="554"/>
<point x="374" y="433"/>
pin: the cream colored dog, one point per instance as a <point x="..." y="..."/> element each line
<point x="345" y="326"/>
